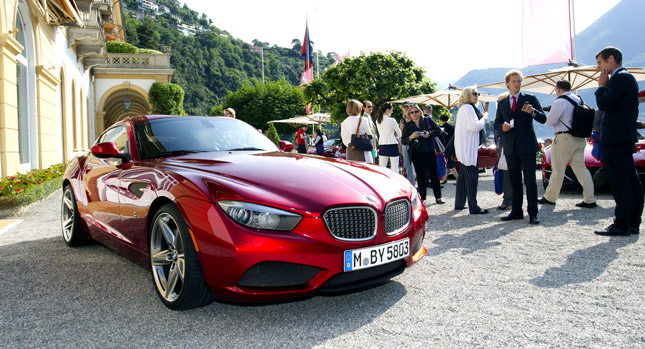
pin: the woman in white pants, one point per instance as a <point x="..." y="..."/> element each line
<point x="389" y="134"/>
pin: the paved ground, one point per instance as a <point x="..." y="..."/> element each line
<point x="484" y="283"/>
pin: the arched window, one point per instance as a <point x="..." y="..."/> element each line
<point x="26" y="91"/>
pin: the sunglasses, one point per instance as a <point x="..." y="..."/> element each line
<point x="415" y="112"/>
<point x="368" y="106"/>
<point x="476" y="94"/>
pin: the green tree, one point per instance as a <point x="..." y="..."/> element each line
<point x="148" y="35"/>
<point x="166" y="99"/>
<point x="272" y="133"/>
<point x="378" y="77"/>
<point x="257" y="104"/>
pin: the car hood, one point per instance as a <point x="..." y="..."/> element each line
<point x="292" y="180"/>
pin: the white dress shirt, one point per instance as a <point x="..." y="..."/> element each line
<point x="466" y="136"/>
<point x="561" y="113"/>
<point x="389" y="131"/>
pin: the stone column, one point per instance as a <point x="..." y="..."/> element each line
<point x="9" y="140"/>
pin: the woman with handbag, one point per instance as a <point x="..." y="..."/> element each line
<point x="467" y="130"/>
<point x="355" y="132"/>
<point x="389" y="133"/>
<point x="419" y="134"/>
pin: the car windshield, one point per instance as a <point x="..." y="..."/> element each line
<point x="188" y="134"/>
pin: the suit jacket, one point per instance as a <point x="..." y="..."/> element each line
<point x="619" y="101"/>
<point x="521" y="137"/>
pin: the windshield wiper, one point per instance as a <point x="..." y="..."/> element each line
<point x="174" y="152"/>
<point x="245" y="148"/>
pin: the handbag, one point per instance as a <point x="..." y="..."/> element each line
<point x="438" y="145"/>
<point x="498" y="178"/>
<point x="359" y="142"/>
<point x="441" y="166"/>
<point x="450" y="149"/>
<point x="501" y="162"/>
<point x="596" y="147"/>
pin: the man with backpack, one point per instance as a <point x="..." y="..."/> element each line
<point x="568" y="147"/>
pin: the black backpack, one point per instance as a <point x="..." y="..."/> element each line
<point x="583" y="115"/>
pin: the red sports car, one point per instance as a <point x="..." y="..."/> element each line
<point x="215" y="209"/>
<point x="592" y="163"/>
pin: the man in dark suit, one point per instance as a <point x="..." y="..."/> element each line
<point x="618" y="98"/>
<point x="515" y="116"/>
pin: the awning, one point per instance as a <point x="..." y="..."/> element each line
<point x="67" y="11"/>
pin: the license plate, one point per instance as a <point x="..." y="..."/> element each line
<point x="376" y="255"/>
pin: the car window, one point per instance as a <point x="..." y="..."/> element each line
<point x="181" y="135"/>
<point x="118" y="135"/>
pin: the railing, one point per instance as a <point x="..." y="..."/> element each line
<point x="131" y="60"/>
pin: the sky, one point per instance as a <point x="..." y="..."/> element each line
<point x="448" y="38"/>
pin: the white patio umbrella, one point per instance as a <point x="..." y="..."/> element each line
<point x="580" y="78"/>
<point x="319" y="118"/>
<point x="296" y="121"/>
<point x="447" y="98"/>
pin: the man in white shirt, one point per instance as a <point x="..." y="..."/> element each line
<point x="566" y="149"/>
<point x="368" y="107"/>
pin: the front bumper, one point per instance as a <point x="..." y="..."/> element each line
<point x="245" y="265"/>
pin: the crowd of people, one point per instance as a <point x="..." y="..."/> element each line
<point x="418" y="140"/>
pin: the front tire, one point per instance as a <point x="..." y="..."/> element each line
<point x="70" y="220"/>
<point x="176" y="271"/>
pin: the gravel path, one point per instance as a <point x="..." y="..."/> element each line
<point x="484" y="283"/>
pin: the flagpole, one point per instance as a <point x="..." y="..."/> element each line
<point x="317" y="59"/>
<point x="572" y="28"/>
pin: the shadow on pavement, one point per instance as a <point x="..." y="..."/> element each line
<point x="584" y="265"/>
<point x="53" y="295"/>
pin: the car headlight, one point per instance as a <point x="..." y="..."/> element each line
<point x="417" y="204"/>
<point x="260" y="216"/>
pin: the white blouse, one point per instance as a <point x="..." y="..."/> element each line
<point x="467" y="130"/>
<point x="389" y="131"/>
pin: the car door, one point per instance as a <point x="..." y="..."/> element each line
<point x="102" y="185"/>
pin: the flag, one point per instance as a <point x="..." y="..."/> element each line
<point x="307" y="76"/>
<point x="307" y="49"/>
<point x="546" y="31"/>
<point x="338" y="58"/>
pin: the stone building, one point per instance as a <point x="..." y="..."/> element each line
<point x="59" y="87"/>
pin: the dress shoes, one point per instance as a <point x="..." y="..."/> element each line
<point x="534" y="220"/>
<point x="543" y="200"/>
<point x="612" y="230"/>
<point x="586" y="205"/>
<point x="635" y="230"/>
<point x="511" y="217"/>
<point x="504" y="207"/>
<point x="439" y="201"/>
<point x="484" y="211"/>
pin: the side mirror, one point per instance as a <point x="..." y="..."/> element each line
<point x="286" y="146"/>
<point x="108" y="150"/>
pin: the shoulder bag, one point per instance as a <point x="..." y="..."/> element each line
<point x="359" y="142"/>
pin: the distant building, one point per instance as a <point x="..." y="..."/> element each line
<point x="186" y="29"/>
<point x="163" y="9"/>
<point x="149" y="5"/>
